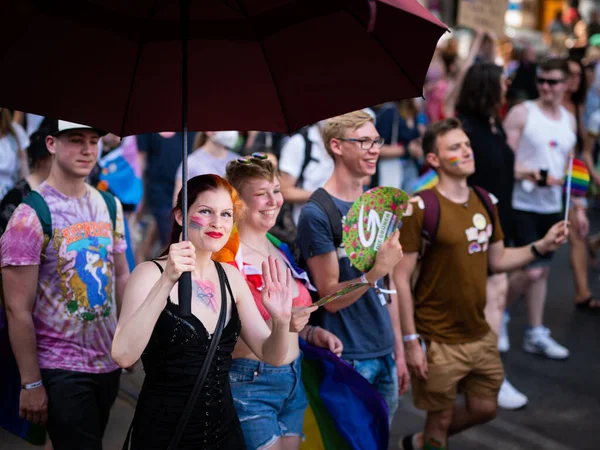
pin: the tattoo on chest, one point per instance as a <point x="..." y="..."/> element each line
<point x="205" y="294"/>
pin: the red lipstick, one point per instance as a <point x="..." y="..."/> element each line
<point x="215" y="235"/>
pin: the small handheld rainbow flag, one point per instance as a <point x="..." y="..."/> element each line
<point x="580" y="178"/>
<point x="426" y="181"/>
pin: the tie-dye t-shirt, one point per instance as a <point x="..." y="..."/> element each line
<point x="75" y="310"/>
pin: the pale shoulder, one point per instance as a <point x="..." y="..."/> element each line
<point x="147" y="271"/>
<point x="517" y="115"/>
<point x="235" y="278"/>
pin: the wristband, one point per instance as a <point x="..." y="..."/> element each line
<point x="537" y="253"/>
<point x="363" y="279"/>
<point x="34" y="385"/>
<point x="411" y="337"/>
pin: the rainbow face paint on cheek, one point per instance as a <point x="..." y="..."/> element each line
<point x="198" y="223"/>
<point x="453" y="161"/>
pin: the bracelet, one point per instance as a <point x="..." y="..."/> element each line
<point x="411" y="337"/>
<point x="34" y="385"/>
<point x="363" y="279"/>
<point x="537" y="253"/>
<point x="310" y="334"/>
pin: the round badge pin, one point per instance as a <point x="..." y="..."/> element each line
<point x="370" y="220"/>
<point x="479" y="221"/>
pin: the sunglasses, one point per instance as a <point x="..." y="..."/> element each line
<point x="548" y="81"/>
<point x="247" y="160"/>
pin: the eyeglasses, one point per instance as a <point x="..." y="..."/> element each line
<point x="548" y="81"/>
<point x="366" y="144"/>
<point x="247" y="160"/>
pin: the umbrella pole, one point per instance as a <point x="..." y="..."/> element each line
<point x="185" y="281"/>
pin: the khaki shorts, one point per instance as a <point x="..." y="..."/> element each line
<point x="474" y="369"/>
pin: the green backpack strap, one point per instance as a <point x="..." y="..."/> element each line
<point x="111" y="204"/>
<point x="35" y="200"/>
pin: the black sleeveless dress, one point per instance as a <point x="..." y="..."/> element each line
<point x="172" y="360"/>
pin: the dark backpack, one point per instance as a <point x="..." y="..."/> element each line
<point x="285" y="228"/>
<point x="322" y="198"/>
<point x="431" y="221"/>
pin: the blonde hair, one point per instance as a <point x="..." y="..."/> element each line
<point x="336" y="127"/>
<point x="238" y="173"/>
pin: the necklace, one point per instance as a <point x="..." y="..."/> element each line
<point x="258" y="251"/>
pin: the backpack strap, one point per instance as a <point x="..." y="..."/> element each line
<point x="35" y="200"/>
<point x="111" y="204"/>
<point x="322" y="198"/>
<point x="307" y="155"/>
<point x="431" y="223"/>
<point x="485" y="198"/>
<point x="431" y="217"/>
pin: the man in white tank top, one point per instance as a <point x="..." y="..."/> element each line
<point x="542" y="134"/>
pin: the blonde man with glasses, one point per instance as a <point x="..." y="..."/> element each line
<point x="367" y="325"/>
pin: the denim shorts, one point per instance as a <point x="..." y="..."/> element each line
<point x="270" y="401"/>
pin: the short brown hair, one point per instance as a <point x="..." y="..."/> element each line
<point x="551" y="63"/>
<point x="337" y="126"/>
<point x="438" y="129"/>
<point x="239" y="173"/>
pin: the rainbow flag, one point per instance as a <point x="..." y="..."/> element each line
<point x="580" y="179"/>
<point x="344" y="411"/>
<point x="426" y="181"/>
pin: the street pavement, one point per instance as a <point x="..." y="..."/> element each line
<point x="564" y="396"/>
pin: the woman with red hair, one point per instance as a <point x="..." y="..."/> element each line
<point x="174" y="348"/>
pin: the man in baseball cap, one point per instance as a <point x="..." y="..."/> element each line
<point x="64" y="271"/>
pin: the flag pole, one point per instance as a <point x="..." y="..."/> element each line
<point x="568" y="202"/>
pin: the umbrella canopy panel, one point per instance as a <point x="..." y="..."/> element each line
<point x="272" y="65"/>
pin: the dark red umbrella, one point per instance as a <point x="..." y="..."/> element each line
<point x="272" y="65"/>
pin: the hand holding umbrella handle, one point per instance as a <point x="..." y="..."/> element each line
<point x="184" y="289"/>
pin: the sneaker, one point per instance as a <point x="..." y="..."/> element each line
<point x="538" y="341"/>
<point x="503" y="342"/>
<point x="509" y="398"/>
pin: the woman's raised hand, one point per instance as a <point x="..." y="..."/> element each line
<point x="182" y="258"/>
<point x="276" y="294"/>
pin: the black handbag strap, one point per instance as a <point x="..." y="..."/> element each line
<point x="216" y="337"/>
<point x="200" y="381"/>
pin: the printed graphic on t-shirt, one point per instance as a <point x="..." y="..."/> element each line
<point x="84" y="268"/>
<point x="479" y="234"/>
